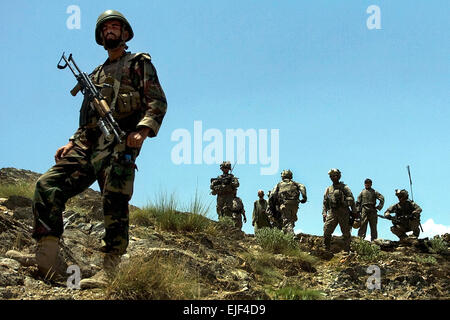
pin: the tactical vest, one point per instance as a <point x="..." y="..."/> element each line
<point x="288" y="190"/>
<point x="335" y="196"/>
<point x="116" y="85"/>
<point x="368" y="198"/>
<point x="404" y="210"/>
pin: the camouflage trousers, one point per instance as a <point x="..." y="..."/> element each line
<point x="237" y="219"/>
<point x="224" y="205"/>
<point x="401" y="229"/>
<point x="113" y="166"/>
<point x="288" y="212"/>
<point x="337" y="216"/>
<point x="368" y="217"/>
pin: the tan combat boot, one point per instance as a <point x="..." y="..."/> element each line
<point x="46" y="257"/>
<point x="100" y="279"/>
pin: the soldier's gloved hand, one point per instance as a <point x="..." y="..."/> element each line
<point x="303" y="200"/>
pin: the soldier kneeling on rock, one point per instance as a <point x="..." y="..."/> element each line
<point x="407" y="215"/>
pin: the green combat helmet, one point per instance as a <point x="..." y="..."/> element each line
<point x="401" y="193"/>
<point x="225" y="165"/>
<point x="286" y="174"/>
<point x="110" y="15"/>
<point x="334" y="171"/>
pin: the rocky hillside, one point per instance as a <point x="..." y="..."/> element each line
<point x="211" y="260"/>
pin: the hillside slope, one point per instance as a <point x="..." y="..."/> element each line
<point x="213" y="260"/>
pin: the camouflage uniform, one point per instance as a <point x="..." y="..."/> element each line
<point x="237" y="209"/>
<point x="140" y="103"/>
<point x="259" y="217"/>
<point x="288" y="193"/>
<point x="336" y="202"/>
<point x="224" y="186"/>
<point x="366" y="205"/>
<point x="408" y="214"/>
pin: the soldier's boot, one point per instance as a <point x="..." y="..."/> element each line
<point x="46" y="258"/>
<point x="100" y="279"/>
<point x="50" y="265"/>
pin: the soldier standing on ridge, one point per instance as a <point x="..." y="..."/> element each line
<point x="367" y="208"/>
<point x="130" y="85"/>
<point x="288" y="192"/>
<point x="238" y="211"/>
<point x="259" y="217"/>
<point x="224" y="186"/>
<point x="407" y="213"/>
<point x="339" y="203"/>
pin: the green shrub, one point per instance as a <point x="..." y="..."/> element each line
<point x="296" y="293"/>
<point x="164" y="214"/>
<point x="367" y="251"/>
<point x="226" y="221"/>
<point x="276" y="241"/>
<point x="152" y="278"/>
<point x="21" y="189"/>
<point x="438" y="245"/>
<point x="425" y="260"/>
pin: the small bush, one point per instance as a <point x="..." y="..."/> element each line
<point x="164" y="214"/>
<point x="367" y="251"/>
<point x="152" y="278"/>
<point x="264" y="265"/>
<point x="276" y="241"/>
<point x="296" y="293"/>
<point x="226" y="221"/>
<point x="425" y="260"/>
<point x="21" y="189"/>
<point x="438" y="245"/>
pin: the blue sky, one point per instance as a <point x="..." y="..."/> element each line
<point x="369" y="102"/>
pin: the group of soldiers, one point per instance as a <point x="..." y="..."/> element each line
<point x="130" y="92"/>
<point x="339" y="207"/>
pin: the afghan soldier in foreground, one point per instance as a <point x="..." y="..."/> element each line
<point x="339" y="203"/>
<point x="366" y="206"/>
<point x="224" y="186"/>
<point x="131" y="88"/>
<point x="238" y="211"/>
<point x="288" y="192"/>
<point x="259" y="217"/>
<point x="407" y="215"/>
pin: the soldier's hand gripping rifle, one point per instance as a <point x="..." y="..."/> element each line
<point x="106" y="122"/>
<point x="395" y="220"/>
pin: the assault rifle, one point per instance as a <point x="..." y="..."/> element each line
<point x="106" y="123"/>
<point x="395" y="220"/>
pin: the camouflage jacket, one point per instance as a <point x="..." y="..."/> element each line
<point x="368" y="198"/>
<point x="289" y="190"/>
<point x="140" y="101"/>
<point x="337" y="197"/>
<point x="409" y="209"/>
<point x="224" y="184"/>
